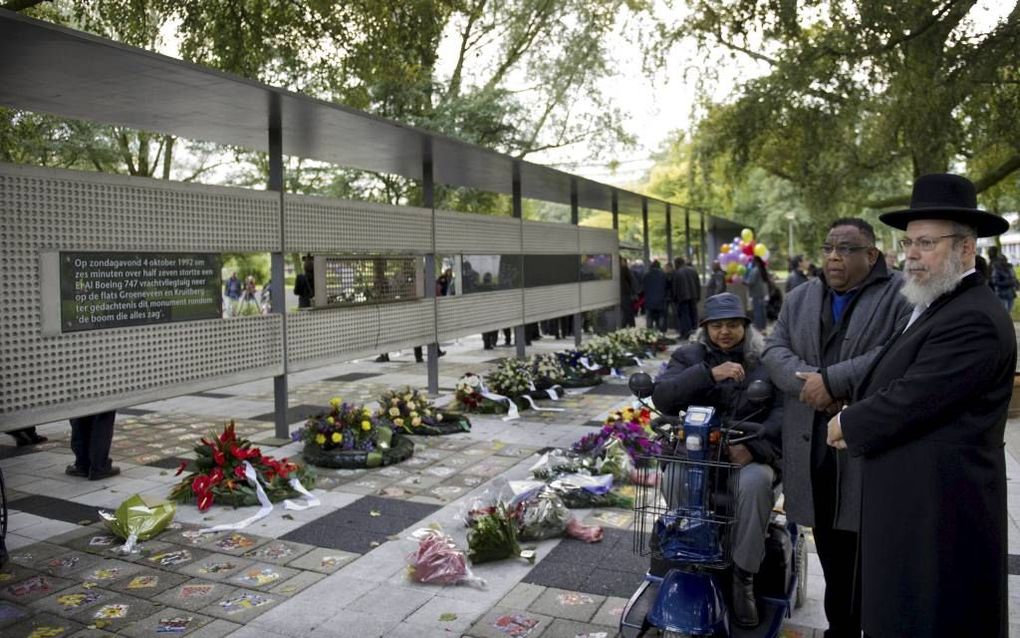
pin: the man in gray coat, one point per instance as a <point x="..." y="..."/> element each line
<point x="828" y="332"/>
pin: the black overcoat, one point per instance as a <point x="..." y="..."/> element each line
<point x="929" y="426"/>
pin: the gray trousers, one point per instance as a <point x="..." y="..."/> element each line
<point x="754" y="506"/>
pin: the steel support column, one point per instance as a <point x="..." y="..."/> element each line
<point x="428" y="201"/>
<point x="277" y="290"/>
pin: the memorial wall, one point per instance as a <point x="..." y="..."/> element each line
<point x="112" y="285"/>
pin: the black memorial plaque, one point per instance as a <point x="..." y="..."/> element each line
<point x="111" y="290"/>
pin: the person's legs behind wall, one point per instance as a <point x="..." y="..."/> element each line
<point x="100" y="441"/>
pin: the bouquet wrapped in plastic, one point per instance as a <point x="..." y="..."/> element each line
<point x="493" y="536"/>
<point x="437" y="560"/>
<point x="139" y="519"/>
<point x="557" y="461"/>
<point x="544" y="515"/>
<point x="581" y="491"/>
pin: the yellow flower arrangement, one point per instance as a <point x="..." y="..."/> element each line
<point x="320" y="438"/>
<point x="337" y="437"/>
<point x="366" y="425"/>
<point x="335" y="402"/>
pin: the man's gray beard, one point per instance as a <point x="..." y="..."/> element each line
<point x="938" y="284"/>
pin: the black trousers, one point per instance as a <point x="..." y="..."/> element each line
<point x="838" y="554"/>
<point x="91" y="437"/>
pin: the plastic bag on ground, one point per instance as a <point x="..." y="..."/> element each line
<point x="586" y="533"/>
<point x="138" y="519"/>
<point x="438" y="561"/>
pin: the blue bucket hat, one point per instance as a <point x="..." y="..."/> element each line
<point x="725" y="305"/>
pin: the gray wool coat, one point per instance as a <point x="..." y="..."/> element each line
<point x="795" y="345"/>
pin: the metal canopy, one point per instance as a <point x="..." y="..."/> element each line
<point x="51" y="69"/>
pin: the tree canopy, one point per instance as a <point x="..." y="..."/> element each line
<point x="855" y="100"/>
<point x="524" y="78"/>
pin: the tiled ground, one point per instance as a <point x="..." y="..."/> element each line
<point x="335" y="570"/>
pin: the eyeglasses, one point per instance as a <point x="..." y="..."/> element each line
<point x="926" y="244"/>
<point x="842" y="250"/>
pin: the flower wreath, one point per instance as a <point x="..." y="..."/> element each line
<point x="219" y="474"/>
<point x="410" y="411"/>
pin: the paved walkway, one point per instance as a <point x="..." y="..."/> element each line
<point x="339" y="569"/>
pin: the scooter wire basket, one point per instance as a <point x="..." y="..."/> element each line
<point x="684" y="510"/>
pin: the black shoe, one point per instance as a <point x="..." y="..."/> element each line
<point x="487" y="347"/>
<point x="113" y="470"/>
<point x="383" y="358"/>
<point x="744" y="610"/>
<point x="442" y="353"/>
<point x="74" y="470"/>
<point x="419" y="360"/>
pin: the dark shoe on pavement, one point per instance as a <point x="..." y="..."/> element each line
<point x="113" y="470"/>
<point x="419" y="359"/>
<point x="442" y="353"/>
<point x="745" y="611"/>
<point x="74" y="470"/>
<point x="383" y="358"/>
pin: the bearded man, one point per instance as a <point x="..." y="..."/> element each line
<point x="928" y="424"/>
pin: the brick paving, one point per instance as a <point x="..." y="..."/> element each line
<point x="335" y="570"/>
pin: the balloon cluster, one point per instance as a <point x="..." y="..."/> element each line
<point x="736" y="256"/>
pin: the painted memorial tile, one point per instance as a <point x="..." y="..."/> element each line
<point x="277" y="552"/>
<point x="11" y="572"/>
<point x="108" y="571"/>
<point x="30" y="555"/>
<point x="237" y="543"/>
<point x="242" y="605"/>
<point x="33" y="588"/>
<point x="193" y="595"/>
<point x="168" y="558"/>
<point x="447" y="492"/>
<point x="262" y="576"/>
<point x="611" y="518"/>
<point x="190" y="537"/>
<point x="215" y="567"/>
<point x="167" y="622"/>
<point x="515" y="624"/>
<point x="43" y="625"/>
<point x="297" y="584"/>
<point x="416" y="461"/>
<point x="116" y="612"/>
<point x="9" y="613"/>
<point x="393" y="491"/>
<point x="442" y="471"/>
<point x="64" y="565"/>
<point x="323" y="560"/>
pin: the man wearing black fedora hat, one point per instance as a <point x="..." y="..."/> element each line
<point x="928" y="423"/>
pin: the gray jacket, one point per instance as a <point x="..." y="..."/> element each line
<point x="795" y="346"/>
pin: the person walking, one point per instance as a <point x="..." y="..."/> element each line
<point x="759" y="285"/>
<point x="797" y="274"/>
<point x="687" y="292"/>
<point x="828" y="331"/>
<point x="716" y="281"/>
<point x="1003" y="281"/>
<point x="628" y="294"/>
<point x="304" y="283"/>
<point x="655" y="296"/>
<point x="927" y="425"/>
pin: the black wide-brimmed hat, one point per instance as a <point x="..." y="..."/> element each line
<point x="946" y="196"/>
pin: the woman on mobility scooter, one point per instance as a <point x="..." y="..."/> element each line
<point x="715" y="369"/>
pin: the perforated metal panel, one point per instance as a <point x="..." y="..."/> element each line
<point x="477" y="234"/>
<point x="464" y="315"/>
<point x="551" y="301"/>
<point x="599" y="294"/>
<point x="550" y="237"/>
<point x="598" y="240"/>
<point x="317" y="224"/>
<point x="322" y="337"/>
<point x="48" y="378"/>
